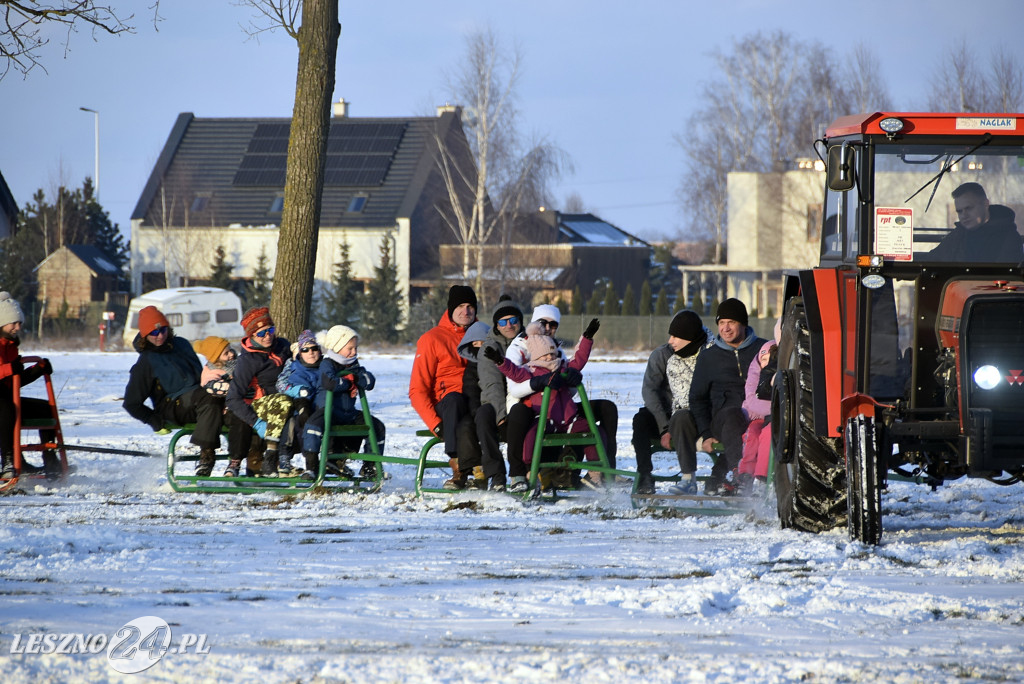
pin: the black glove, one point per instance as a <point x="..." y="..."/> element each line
<point x="496" y="356"/>
<point x="764" y="383"/>
<point x="156" y="422"/>
<point x="328" y="382"/>
<point x="591" y="328"/>
<point x="44" y="367"/>
<point x="362" y="381"/>
<point x="573" y="377"/>
<point x="539" y="382"/>
<point x="17" y="367"/>
<point x="557" y="381"/>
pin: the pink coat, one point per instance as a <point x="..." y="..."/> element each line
<point x="754" y="407"/>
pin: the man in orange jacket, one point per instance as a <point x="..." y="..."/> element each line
<point x="435" y="388"/>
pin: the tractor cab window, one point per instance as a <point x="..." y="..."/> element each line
<point x="941" y="203"/>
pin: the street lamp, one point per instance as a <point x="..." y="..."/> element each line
<point x="96" y="176"/>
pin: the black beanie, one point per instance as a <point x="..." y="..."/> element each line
<point x="505" y="307"/>
<point x="458" y="295"/>
<point x="732" y="309"/>
<point x="686" y="325"/>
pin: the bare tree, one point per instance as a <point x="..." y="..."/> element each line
<point x="863" y="76"/>
<point x="959" y="84"/>
<point x="23" y="36"/>
<point x="504" y="176"/>
<point x="317" y="37"/>
<point x="1007" y="82"/>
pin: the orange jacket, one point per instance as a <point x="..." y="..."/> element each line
<point x="437" y="368"/>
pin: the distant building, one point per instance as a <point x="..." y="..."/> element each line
<point x="220" y="182"/>
<point x="80" y="275"/>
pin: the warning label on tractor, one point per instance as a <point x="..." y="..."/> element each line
<point x="894" y="233"/>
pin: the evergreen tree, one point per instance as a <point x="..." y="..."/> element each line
<point x="220" y="269"/>
<point x="424" y="314"/>
<point x="661" y="306"/>
<point x="595" y="303"/>
<point x="104" y="234"/>
<point x="560" y="303"/>
<point x="644" y="309"/>
<point x="383" y="312"/>
<point x="576" y="308"/>
<point x="611" y="301"/>
<point x="628" y="301"/>
<point x="19" y="255"/>
<point x="698" y="302"/>
<point x="343" y="300"/>
<point x="257" y="293"/>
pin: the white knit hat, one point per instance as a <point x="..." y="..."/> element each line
<point x="337" y="337"/>
<point x="10" y="312"/>
<point x="548" y="312"/>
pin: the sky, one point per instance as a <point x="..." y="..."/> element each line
<point x="610" y="83"/>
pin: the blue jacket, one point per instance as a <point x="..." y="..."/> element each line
<point x="346" y="408"/>
<point x="297" y="376"/>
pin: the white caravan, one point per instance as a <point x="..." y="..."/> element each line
<point x="193" y="312"/>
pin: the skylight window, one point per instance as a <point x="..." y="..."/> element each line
<point x="199" y="203"/>
<point x="277" y="206"/>
<point x="356" y="204"/>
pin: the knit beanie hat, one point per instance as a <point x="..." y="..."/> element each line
<point x="306" y="338"/>
<point x="211" y="347"/>
<point x="505" y="307"/>
<point x="458" y="295"/>
<point x="10" y="311"/>
<point x="337" y="337"/>
<point x="150" y="319"/>
<point x="686" y="325"/>
<point x="732" y="309"/>
<point x="548" y="312"/>
<point x="256" y="318"/>
<point x="538" y="344"/>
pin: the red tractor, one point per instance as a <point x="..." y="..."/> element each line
<point x="902" y="353"/>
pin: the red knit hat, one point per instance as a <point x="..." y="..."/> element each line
<point x="150" y="319"/>
<point x="256" y="318"/>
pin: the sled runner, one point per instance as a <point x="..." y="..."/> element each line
<point x="424" y="463"/>
<point x="53" y="452"/>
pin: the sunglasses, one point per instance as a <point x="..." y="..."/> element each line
<point x="313" y="348"/>
<point x="162" y="330"/>
<point x="264" y="333"/>
<point x="511" y="320"/>
<point x="548" y="324"/>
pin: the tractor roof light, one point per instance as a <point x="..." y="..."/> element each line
<point x="891" y="125"/>
<point x="987" y="377"/>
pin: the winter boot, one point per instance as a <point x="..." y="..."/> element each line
<point x="644" y="483"/>
<point x="519" y="484"/>
<point x="234" y="465"/>
<point x="284" y="466"/>
<point x="312" y="463"/>
<point x="745" y="484"/>
<point x="52" y="465"/>
<point x="253" y="463"/>
<point x="269" y="464"/>
<point x="207" y="457"/>
<point x="7" y="473"/>
<point x="498" y="483"/>
<point x="368" y="471"/>
<point x="478" y="480"/>
<point x="458" y="478"/>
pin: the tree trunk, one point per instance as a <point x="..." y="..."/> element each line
<point x="292" y="294"/>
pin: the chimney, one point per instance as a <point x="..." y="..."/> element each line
<point x="448" y="109"/>
<point x="341" y="109"/>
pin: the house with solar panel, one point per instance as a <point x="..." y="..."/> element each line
<point x="219" y="182"/>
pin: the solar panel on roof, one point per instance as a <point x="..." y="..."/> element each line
<point x="357" y="154"/>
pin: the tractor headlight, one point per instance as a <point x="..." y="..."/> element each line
<point x="987" y="377"/>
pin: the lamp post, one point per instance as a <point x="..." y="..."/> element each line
<point x="96" y="176"/>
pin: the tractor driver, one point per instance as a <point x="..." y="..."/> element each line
<point x="984" y="232"/>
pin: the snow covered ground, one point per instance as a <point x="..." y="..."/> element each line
<point x="387" y="587"/>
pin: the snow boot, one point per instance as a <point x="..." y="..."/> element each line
<point x="458" y="478"/>
<point x="234" y="465"/>
<point x="644" y="484"/>
<point x="52" y="465"/>
<point x="478" y="479"/>
<point x="253" y="463"/>
<point x="368" y="471"/>
<point x="7" y="473"/>
<point x="269" y="464"/>
<point x="207" y="457"/>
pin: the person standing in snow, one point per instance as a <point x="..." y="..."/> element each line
<point x="253" y="396"/>
<point x="11" y="321"/>
<point x="717" y="391"/>
<point x="341" y="373"/>
<point x="168" y="374"/>
<point x="666" y="415"/>
<point x="435" y="386"/>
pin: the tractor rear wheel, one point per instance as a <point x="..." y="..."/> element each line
<point x="864" y="476"/>
<point x="809" y="476"/>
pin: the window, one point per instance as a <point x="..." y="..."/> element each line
<point x="277" y="206"/>
<point x="199" y="203"/>
<point x="356" y="204"/>
<point x="174" y="319"/>
<point x="227" y="315"/>
<point x="135" y="321"/>
<point x="199" y="317"/>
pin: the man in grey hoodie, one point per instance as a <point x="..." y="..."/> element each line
<point x="717" y="390"/>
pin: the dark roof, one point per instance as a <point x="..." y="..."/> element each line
<point x="590" y="229"/>
<point x="7" y="203"/>
<point x="98" y="262"/>
<point x="231" y="170"/>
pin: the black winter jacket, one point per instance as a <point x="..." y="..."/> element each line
<point x="719" y="379"/>
<point x="164" y="372"/>
<point x="256" y="376"/>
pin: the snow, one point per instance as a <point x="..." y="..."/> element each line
<point x="387" y="587"/>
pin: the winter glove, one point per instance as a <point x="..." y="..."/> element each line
<point x="218" y="388"/>
<point x="361" y="380"/>
<point x="328" y="382"/>
<point x="765" y="382"/>
<point x="304" y="392"/>
<point x="260" y="426"/>
<point x="44" y="367"/>
<point x="557" y="381"/>
<point x="157" y="423"/>
<point x="17" y="367"/>
<point x="539" y="382"/>
<point x="494" y="355"/>
<point x="573" y="377"/>
<point x="592" y="328"/>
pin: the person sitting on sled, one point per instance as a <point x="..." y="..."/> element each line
<point x="342" y="374"/>
<point x="547" y="368"/>
<point x="300" y="380"/>
<point x="11" y="320"/>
